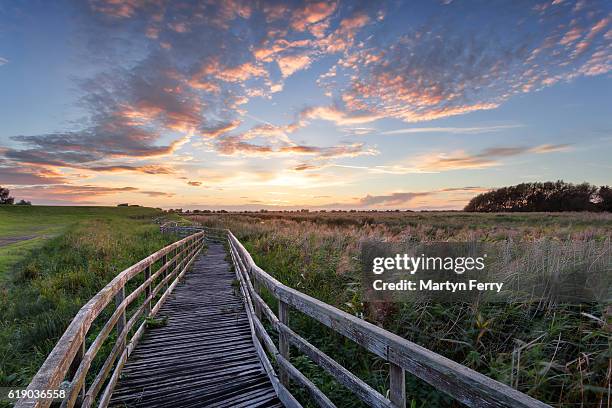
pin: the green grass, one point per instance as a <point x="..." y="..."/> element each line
<point x="40" y="223"/>
<point x="46" y="281"/>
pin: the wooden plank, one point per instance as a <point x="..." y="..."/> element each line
<point x="283" y="343"/>
<point x="466" y="385"/>
<point x="55" y="367"/>
<point x="147" y="276"/>
<point x="281" y="389"/>
<point x="204" y="355"/>
<point x="122" y="317"/>
<point x="104" y="371"/>
<point x="397" y="385"/>
<point x="73" y="372"/>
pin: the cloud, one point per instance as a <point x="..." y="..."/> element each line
<point x="3" y="61"/>
<point x="338" y="116"/>
<point x="391" y="199"/>
<point x="235" y="145"/>
<point x="440" y="162"/>
<point x="305" y="166"/>
<point x="72" y="193"/>
<point x="311" y="13"/>
<point x="442" y="68"/>
<point x="451" y="130"/>
<point x="348" y="150"/>
<point x="147" y="169"/>
<point x="175" y="88"/>
<point x="439" y="198"/>
<point x="486" y="158"/>
<point x="289" y="64"/>
<point x="195" y="183"/>
<point x="83" y="194"/>
<point x="13" y="175"/>
<point x="157" y="193"/>
<point x="216" y="130"/>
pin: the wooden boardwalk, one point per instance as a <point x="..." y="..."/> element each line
<point x="204" y="355"/>
<point x="214" y="350"/>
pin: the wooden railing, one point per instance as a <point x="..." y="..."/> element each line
<point x="71" y="358"/>
<point x="467" y="386"/>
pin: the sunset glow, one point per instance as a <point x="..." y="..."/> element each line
<point x="285" y="105"/>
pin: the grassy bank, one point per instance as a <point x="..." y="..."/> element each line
<point x="559" y="354"/>
<point x="78" y="250"/>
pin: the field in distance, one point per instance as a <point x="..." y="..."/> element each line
<point x="24" y="228"/>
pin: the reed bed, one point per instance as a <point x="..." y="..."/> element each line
<point x="554" y="351"/>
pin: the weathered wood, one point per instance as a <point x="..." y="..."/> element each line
<point x="122" y="317"/>
<point x="147" y="275"/>
<point x="397" y="385"/>
<point x="101" y="377"/>
<point x="256" y="328"/>
<point x="204" y="355"/>
<point x="466" y="385"/>
<point x="57" y="364"/>
<point x="357" y="386"/>
<point x="283" y="343"/>
<point x="73" y="372"/>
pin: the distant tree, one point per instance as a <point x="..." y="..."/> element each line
<point x="123" y="205"/>
<point x="605" y="198"/>
<point x="548" y="197"/>
<point x="5" y="196"/>
<point x="24" y="202"/>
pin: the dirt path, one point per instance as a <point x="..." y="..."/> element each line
<point x="4" y="241"/>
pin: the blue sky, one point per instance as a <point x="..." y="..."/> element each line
<point x="416" y="105"/>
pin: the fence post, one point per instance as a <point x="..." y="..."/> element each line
<point x="283" y="343"/>
<point x="397" y="385"/>
<point x="257" y="288"/>
<point x="164" y="262"/>
<point x="119" y="297"/>
<point x="147" y="275"/>
<point x="74" y="366"/>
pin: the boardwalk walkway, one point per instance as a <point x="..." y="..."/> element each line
<point x="214" y="349"/>
<point x="204" y="355"/>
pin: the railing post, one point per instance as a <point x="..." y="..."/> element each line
<point x="397" y="385"/>
<point x="283" y="342"/>
<point x="257" y="288"/>
<point x="119" y="297"/>
<point x="74" y="366"/>
<point x="164" y="262"/>
<point x="147" y="293"/>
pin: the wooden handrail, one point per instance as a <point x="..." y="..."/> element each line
<point x="57" y="365"/>
<point x="462" y="383"/>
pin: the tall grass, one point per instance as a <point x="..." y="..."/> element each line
<point x="44" y="291"/>
<point x="558" y="353"/>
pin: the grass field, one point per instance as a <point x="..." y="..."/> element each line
<point x="558" y="353"/>
<point x="24" y="228"/>
<point x="72" y="252"/>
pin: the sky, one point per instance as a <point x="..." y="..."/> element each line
<point x="284" y="105"/>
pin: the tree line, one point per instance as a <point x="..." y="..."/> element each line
<point x="547" y="197"/>
<point x="6" y="199"/>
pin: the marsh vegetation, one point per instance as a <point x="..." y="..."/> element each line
<point x="558" y="353"/>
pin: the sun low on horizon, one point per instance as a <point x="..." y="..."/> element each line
<point x="285" y="105"/>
